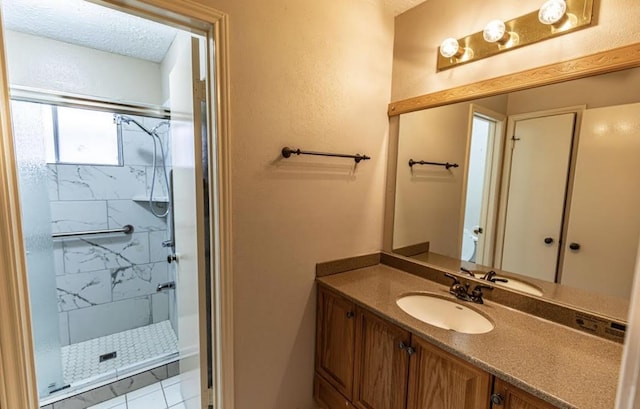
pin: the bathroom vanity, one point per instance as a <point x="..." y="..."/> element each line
<point x="371" y="354"/>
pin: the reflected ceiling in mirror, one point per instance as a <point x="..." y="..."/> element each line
<point x="593" y="239"/>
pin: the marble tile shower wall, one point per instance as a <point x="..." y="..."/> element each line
<point x="107" y="284"/>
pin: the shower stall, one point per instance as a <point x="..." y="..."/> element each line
<point x="97" y="220"/>
<point x="105" y="119"/>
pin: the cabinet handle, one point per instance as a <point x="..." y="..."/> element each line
<point x="350" y="314"/>
<point x="497" y="399"/>
<point x="410" y="350"/>
<point x="574" y="246"/>
<point x="548" y="240"/>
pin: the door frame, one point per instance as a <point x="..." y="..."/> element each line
<point x="491" y="179"/>
<point x="506" y="171"/>
<point x="17" y="369"/>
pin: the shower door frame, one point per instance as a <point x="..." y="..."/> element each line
<point x="17" y="368"/>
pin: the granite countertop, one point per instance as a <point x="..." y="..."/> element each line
<point x="562" y="366"/>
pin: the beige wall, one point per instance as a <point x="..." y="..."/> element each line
<point x="437" y="135"/>
<point x="419" y="32"/>
<point x="314" y="75"/>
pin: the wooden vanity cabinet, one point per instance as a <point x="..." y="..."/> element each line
<point x="507" y="396"/>
<point x="438" y="380"/>
<point x="381" y="365"/>
<point x="335" y="337"/>
<point x="364" y="361"/>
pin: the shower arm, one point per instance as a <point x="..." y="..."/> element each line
<point x="127" y="120"/>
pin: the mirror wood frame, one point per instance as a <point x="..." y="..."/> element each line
<point x="603" y="62"/>
<point x="594" y="64"/>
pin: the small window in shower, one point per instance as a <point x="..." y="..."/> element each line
<point x="85" y="136"/>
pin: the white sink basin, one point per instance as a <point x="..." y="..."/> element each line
<point x="515" y="284"/>
<point x="444" y="313"/>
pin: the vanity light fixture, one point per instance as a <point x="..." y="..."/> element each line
<point x="495" y="32"/>
<point x="553" y="18"/>
<point x="552" y="11"/>
<point x="450" y="48"/>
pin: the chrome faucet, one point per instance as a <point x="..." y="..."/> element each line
<point x="461" y="291"/>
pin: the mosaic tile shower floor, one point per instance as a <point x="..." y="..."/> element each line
<point x="134" y="348"/>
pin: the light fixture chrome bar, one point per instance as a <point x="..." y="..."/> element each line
<point x="126" y="229"/>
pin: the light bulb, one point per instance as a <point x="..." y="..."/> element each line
<point x="495" y="31"/>
<point x="552" y="11"/>
<point x="449" y="47"/>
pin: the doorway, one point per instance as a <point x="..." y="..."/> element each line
<point x="481" y="191"/>
<point x="110" y="249"/>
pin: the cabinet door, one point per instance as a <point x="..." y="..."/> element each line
<point x="381" y="366"/>
<point x="438" y="380"/>
<point x="514" y="398"/>
<point x="327" y="397"/>
<point x="335" y="329"/>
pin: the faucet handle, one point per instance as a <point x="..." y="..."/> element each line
<point x="476" y="294"/>
<point x="454" y="278"/>
<point x="488" y="276"/>
<point x="491" y="276"/>
<point x="479" y="287"/>
<point x="466" y="271"/>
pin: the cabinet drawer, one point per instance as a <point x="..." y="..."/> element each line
<point x="514" y="398"/>
<point x="327" y="397"/>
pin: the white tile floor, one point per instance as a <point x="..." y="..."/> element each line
<point x="161" y="395"/>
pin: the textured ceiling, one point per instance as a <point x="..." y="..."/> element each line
<point x="82" y="23"/>
<point x="89" y="25"/>
<point x="400" y="6"/>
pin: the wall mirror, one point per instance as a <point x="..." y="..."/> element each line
<point x="545" y="192"/>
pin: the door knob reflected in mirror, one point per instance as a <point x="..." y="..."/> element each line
<point x="548" y="240"/>
<point x="574" y="246"/>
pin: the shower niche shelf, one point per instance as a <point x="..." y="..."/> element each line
<point x="159" y="199"/>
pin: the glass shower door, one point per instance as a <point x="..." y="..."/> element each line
<point x="31" y="122"/>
